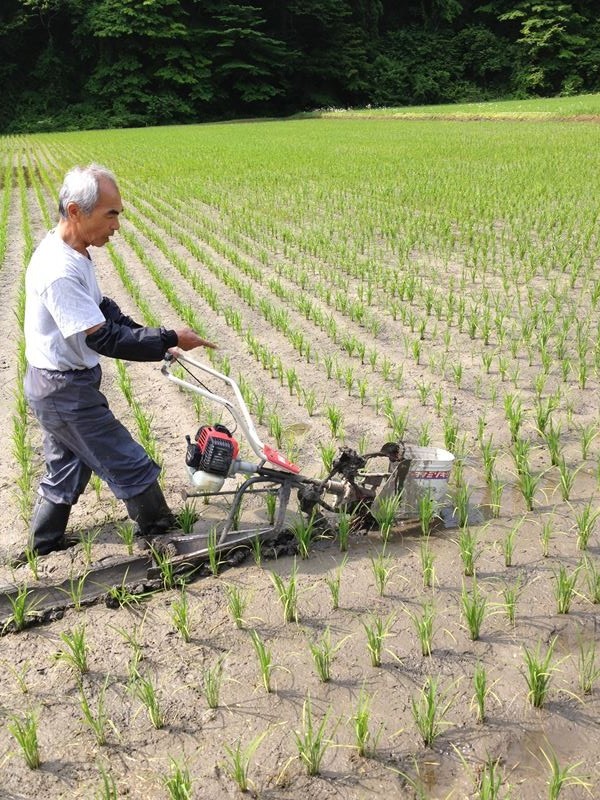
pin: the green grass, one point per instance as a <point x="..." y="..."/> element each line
<point x="546" y="108"/>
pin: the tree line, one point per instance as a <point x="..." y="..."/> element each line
<point x="112" y="63"/>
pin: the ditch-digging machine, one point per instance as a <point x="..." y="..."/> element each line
<point x="214" y="455"/>
<point x="356" y="484"/>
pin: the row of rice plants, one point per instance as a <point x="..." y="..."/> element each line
<point x="342" y="376"/>
<point x="21" y="436"/>
<point x="472" y="601"/>
<point x="430" y="706"/>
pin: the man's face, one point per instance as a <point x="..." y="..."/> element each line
<point x="97" y="227"/>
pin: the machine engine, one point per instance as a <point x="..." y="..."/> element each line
<point x="210" y="456"/>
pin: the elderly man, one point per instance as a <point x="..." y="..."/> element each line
<point x="68" y="325"/>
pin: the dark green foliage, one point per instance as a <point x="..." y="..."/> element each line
<point x="103" y="63"/>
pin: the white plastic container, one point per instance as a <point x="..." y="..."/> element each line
<point x="429" y="473"/>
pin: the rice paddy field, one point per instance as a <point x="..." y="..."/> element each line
<point x="431" y="281"/>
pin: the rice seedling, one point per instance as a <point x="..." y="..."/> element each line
<point x="76" y="590"/>
<point x="588" y="668"/>
<point x="560" y="778"/>
<point x="334" y="582"/>
<point x="121" y="596"/>
<point x="543" y="411"/>
<point x="25" y="731"/>
<point x="473" y="607"/>
<point x="386" y="368"/>
<point x="423" y="624"/>
<point x="457" y="373"/>
<point x="312" y="741"/>
<point x="528" y="484"/>
<point x="349" y="380"/>
<point x="424" y="435"/>
<point x="539" y="673"/>
<point x="97" y="721"/>
<point x="323" y="654"/>
<point x="514" y="412"/>
<point x="564" y="588"/>
<point x="260" y="408"/>
<point x="237" y="602"/>
<point x="287" y="593"/>
<point x="552" y="438"/>
<point x="20" y="675"/>
<point x="336" y="421"/>
<point x="398" y="422"/>
<point x="469" y="551"/>
<point x="96" y="484"/>
<point x="165" y="567"/>
<point x="237" y="512"/>
<point x="566" y="479"/>
<point x="271" y="506"/>
<point x="429" y="709"/>
<point x="265" y="659"/>
<point x="481" y="691"/>
<point x="178" y="782"/>
<point x="508" y="546"/>
<point x="489" y="455"/>
<point x="132" y="640"/>
<point x="546" y="535"/>
<point x="427" y="562"/>
<point x="383" y="568"/>
<point x="427" y="507"/>
<point x="462" y="498"/>
<point x="586" y="522"/>
<point x="214" y="562"/>
<point x="108" y="790"/>
<point x="423" y="391"/>
<point x="23" y="609"/>
<point x="256" y="547"/>
<point x="146" y="692"/>
<point x="87" y="539"/>
<point x="126" y="532"/>
<point x="343" y="530"/>
<point x="373" y="355"/>
<point x="33" y="561"/>
<point x="303" y="530"/>
<point x="187" y="517"/>
<point x="212" y="678"/>
<point x="238" y="760"/>
<point x="276" y="428"/>
<point x="327" y="452"/>
<point x="75" y="651"/>
<point x="511" y="594"/>
<point x="366" y="744"/>
<point x="450" y="431"/>
<point x="292" y="379"/>
<point x="385" y="514"/>
<point x="592" y="577"/>
<point x="180" y="615"/>
<point x="496" y="489"/>
<point x="588" y="434"/>
<point x="490" y="781"/>
<point x="377" y="630"/>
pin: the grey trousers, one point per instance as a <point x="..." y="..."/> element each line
<point x="81" y="435"/>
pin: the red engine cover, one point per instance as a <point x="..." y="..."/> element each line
<point x="206" y="434"/>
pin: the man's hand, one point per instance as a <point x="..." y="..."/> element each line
<point x="187" y="339"/>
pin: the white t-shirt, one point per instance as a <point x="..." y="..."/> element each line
<point x="62" y="299"/>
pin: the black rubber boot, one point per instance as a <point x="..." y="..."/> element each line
<point x="151" y="512"/>
<point x="48" y="525"/>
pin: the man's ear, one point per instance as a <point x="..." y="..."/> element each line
<point x="73" y="211"/>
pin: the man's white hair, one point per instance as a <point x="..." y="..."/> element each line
<point x="81" y="186"/>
